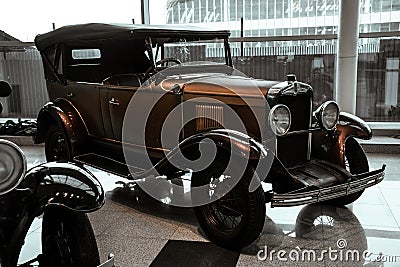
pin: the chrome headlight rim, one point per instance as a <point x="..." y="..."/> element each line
<point x="271" y="122"/>
<point x="19" y="165"/>
<point x="321" y="111"/>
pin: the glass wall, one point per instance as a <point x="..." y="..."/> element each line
<point x="313" y="61"/>
<point x="281" y="17"/>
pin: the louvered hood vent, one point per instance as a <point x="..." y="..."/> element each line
<point x="209" y="116"/>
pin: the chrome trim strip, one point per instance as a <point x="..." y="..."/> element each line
<point x="309" y="126"/>
<point x="360" y="182"/>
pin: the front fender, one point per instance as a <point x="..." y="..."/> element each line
<point x="65" y="116"/>
<point x="240" y="144"/>
<point x="237" y="143"/>
<point x="352" y="126"/>
<point x="64" y="184"/>
<point x="331" y="146"/>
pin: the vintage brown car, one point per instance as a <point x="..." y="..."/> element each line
<point x="144" y="102"/>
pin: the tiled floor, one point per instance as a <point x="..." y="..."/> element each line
<point x="141" y="231"/>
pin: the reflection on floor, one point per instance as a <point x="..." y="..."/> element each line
<point x="143" y="232"/>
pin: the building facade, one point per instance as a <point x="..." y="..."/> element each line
<point x="313" y="60"/>
<point x="281" y="17"/>
<point x="22" y="67"/>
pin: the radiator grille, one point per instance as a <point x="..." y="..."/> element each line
<point x="209" y="116"/>
<point x="300" y="107"/>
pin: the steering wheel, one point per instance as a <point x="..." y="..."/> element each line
<point x="158" y="63"/>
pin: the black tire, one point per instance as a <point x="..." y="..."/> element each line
<point x="57" y="145"/>
<point x="245" y="210"/>
<point x="68" y="239"/>
<point x="356" y="162"/>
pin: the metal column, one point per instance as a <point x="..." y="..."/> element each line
<point x="347" y="55"/>
<point x="145" y="11"/>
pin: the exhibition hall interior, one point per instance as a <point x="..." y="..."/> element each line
<point x="200" y="133"/>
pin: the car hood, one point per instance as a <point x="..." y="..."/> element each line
<point x="218" y="84"/>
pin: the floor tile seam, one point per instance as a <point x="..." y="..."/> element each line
<point x="394" y="217"/>
<point x="387" y="203"/>
<point x="176" y="230"/>
<point x="138" y="216"/>
<point x="139" y="235"/>
<point x="105" y="235"/>
<point x="102" y="231"/>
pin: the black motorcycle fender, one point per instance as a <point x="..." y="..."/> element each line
<point x="64" y="184"/>
<point x="331" y="146"/>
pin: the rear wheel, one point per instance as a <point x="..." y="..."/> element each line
<point x="68" y="239"/>
<point x="236" y="219"/>
<point x="57" y="145"/>
<point x="356" y="163"/>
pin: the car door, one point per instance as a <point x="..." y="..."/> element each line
<point x="118" y="98"/>
<point x="168" y="117"/>
<point x="83" y="74"/>
<point x="85" y="97"/>
<point x="131" y="125"/>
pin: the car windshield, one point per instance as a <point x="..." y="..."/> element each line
<point x="193" y="51"/>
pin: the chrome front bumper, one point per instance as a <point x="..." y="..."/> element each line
<point x="356" y="183"/>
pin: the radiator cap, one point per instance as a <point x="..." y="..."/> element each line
<point x="291" y="77"/>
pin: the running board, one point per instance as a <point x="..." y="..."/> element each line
<point x="108" y="165"/>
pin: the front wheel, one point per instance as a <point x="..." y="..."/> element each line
<point x="57" y="145"/>
<point x="356" y="163"/>
<point x="68" y="239"/>
<point x="236" y="219"/>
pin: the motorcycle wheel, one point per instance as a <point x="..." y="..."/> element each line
<point x="57" y="145"/>
<point x="236" y="219"/>
<point x="356" y="163"/>
<point x="68" y="239"/>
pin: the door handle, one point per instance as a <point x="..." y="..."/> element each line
<point x="114" y="102"/>
<point x="70" y="95"/>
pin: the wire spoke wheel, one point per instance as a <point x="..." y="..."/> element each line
<point x="68" y="239"/>
<point x="228" y="211"/>
<point x="58" y="247"/>
<point x="57" y="145"/>
<point x="234" y="218"/>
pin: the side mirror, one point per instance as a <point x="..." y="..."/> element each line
<point x="12" y="166"/>
<point x="5" y="89"/>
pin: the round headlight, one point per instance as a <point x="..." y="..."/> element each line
<point x="12" y="166"/>
<point x="328" y="115"/>
<point x="279" y="119"/>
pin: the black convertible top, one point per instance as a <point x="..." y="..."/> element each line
<point x="99" y="31"/>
